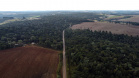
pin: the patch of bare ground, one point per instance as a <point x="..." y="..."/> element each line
<point x="104" y="26"/>
<point x="135" y="18"/>
<point x="28" y="62"/>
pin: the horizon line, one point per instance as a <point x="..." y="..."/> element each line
<point x="66" y="10"/>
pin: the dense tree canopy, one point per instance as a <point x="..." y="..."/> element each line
<point x="101" y="54"/>
<point x="46" y="31"/>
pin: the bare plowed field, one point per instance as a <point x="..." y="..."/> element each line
<point x="135" y="18"/>
<point x="104" y="26"/>
<point x="28" y="62"/>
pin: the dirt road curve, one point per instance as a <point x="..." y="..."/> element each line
<point x="64" y="58"/>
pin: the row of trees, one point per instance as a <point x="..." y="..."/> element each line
<point x="117" y="20"/>
<point x="101" y="54"/>
<point x="125" y="22"/>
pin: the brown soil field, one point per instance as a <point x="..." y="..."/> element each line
<point x="104" y="26"/>
<point x="28" y="62"/>
<point x="135" y="18"/>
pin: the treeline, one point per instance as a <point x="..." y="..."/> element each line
<point x="113" y="19"/>
<point x="125" y="22"/>
<point x="87" y="15"/>
<point x="116" y="20"/>
<point x="101" y="54"/>
<point x="46" y="31"/>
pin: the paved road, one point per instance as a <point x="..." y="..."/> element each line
<point x="64" y="58"/>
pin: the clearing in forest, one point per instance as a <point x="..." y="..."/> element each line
<point x="28" y="62"/>
<point x="135" y="18"/>
<point x="104" y="26"/>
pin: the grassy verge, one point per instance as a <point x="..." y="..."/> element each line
<point x="59" y="69"/>
<point x="68" y="70"/>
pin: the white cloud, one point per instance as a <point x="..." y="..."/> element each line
<point x="18" y="5"/>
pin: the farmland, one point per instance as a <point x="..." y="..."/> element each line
<point x="104" y="53"/>
<point x="113" y="17"/>
<point x="28" y="62"/>
<point x="104" y="26"/>
<point x="135" y="18"/>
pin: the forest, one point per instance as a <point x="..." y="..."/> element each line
<point x="101" y="54"/>
<point x="46" y="31"/>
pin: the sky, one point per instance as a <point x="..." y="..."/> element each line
<point x="43" y="5"/>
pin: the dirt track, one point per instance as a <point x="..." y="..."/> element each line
<point x="104" y="26"/>
<point x="28" y="62"/>
<point x="64" y="58"/>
